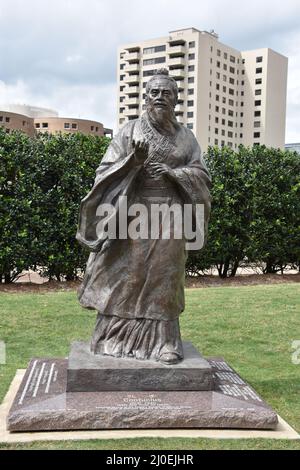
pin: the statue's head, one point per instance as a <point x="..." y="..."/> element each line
<point x="161" y="94"/>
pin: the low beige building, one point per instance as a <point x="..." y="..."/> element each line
<point x="32" y="120"/>
<point x="14" y="121"/>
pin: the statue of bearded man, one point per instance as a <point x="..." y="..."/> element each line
<point x="137" y="285"/>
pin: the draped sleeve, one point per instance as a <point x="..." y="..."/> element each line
<point x="193" y="179"/>
<point x="114" y="178"/>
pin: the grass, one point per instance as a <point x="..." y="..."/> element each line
<point x="252" y="327"/>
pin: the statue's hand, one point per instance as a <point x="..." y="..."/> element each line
<point x="141" y="149"/>
<point x="158" y="169"/>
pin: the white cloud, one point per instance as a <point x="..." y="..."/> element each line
<point x="62" y="53"/>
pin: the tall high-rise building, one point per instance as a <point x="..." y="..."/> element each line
<point x="227" y="97"/>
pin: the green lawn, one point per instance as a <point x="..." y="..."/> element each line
<point x="252" y="327"/>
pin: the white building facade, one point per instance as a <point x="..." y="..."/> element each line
<point x="226" y="97"/>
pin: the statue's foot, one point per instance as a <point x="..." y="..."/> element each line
<point x="169" y="358"/>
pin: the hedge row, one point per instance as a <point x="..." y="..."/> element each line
<point x="255" y="215"/>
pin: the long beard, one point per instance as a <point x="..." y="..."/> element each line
<point x="162" y="118"/>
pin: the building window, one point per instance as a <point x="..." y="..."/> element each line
<point x="242" y="114"/>
<point x="217" y="86"/>
<point x="191" y="56"/>
<point x="229" y="144"/>
<point x="191" y="68"/>
<point x="190" y="114"/>
<point x="218" y="64"/>
<point x="92" y="128"/>
<point x="241" y="136"/>
<point x="230" y="134"/>
<point x="190" y="91"/>
<point x="217" y="109"/>
<point x="258" y="81"/>
<point x="37" y="125"/>
<point x="7" y="131"/>
<point x="216" y="120"/>
<point x="122" y="66"/>
<point x="256" y="123"/>
<point x="256" y="135"/>
<point x="241" y="124"/>
<point x="223" y="122"/>
<point x="218" y="53"/>
<point x="97" y="129"/>
<point x="152" y="50"/>
<point x="224" y="78"/>
<point x="231" y="69"/>
<point x="231" y="91"/>
<point x="224" y="66"/>
<point x="192" y="44"/>
<point x="191" y="80"/>
<point x="74" y="125"/>
<point x="148" y="73"/>
<point x="259" y="59"/>
<point x="122" y="77"/>
<point x="258" y="92"/>
<point x="242" y="103"/>
<point x="257" y="102"/>
<point x="190" y="103"/>
<point x="223" y="132"/>
<point x="243" y="72"/>
<point x="224" y="89"/>
<point x="223" y="111"/>
<point x="45" y="125"/>
<point x="190" y="125"/>
<point x="7" y="119"/>
<point x="122" y="88"/>
<point x="231" y="80"/>
<point x="258" y="70"/>
<point x="257" y="113"/>
<point x="224" y="100"/>
<point x="230" y="112"/>
<point x="217" y="97"/>
<point x="122" y="98"/>
<point x="218" y="75"/>
<point x="230" y="123"/>
<point x="216" y="130"/>
<point x="242" y="93"/>
<point x="232" y="59"/>
<point x="157" y="60"/>
<point x="1" y="118"/>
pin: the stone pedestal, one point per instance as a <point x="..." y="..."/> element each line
<point x="43" y="403"/>
<point x="88" y="372"/>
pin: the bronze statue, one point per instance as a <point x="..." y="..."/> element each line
<point x="137" y="285"/>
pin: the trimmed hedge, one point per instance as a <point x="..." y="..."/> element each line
<point x="42" y="181"/>
<point x="255" y="211"/>
<point x="255" y="208"/>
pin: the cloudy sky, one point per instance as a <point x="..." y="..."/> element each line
<point x="62" y="54"/>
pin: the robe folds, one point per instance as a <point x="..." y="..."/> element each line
<point x="134" y="282"/>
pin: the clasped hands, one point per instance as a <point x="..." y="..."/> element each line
<point x="141" y="150"/>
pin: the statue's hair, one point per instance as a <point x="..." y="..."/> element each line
<point x="163" y="73"/>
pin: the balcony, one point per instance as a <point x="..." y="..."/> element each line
<point x="179" y="110"/>
<point x="177" y="62"/>
<point x="131" y="56"/>
<point x="177" y="73"/>
<point x="132" y="112"/>
<point x="132" y="68"/>
<point x="131" y="90"/>
<point x="176" y="42"/>
<point x="134" y="79"/>
<point x="176" y="51"/>
<point x="131" y="101"/>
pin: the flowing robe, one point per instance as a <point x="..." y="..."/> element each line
<point x="137" y="286"/>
